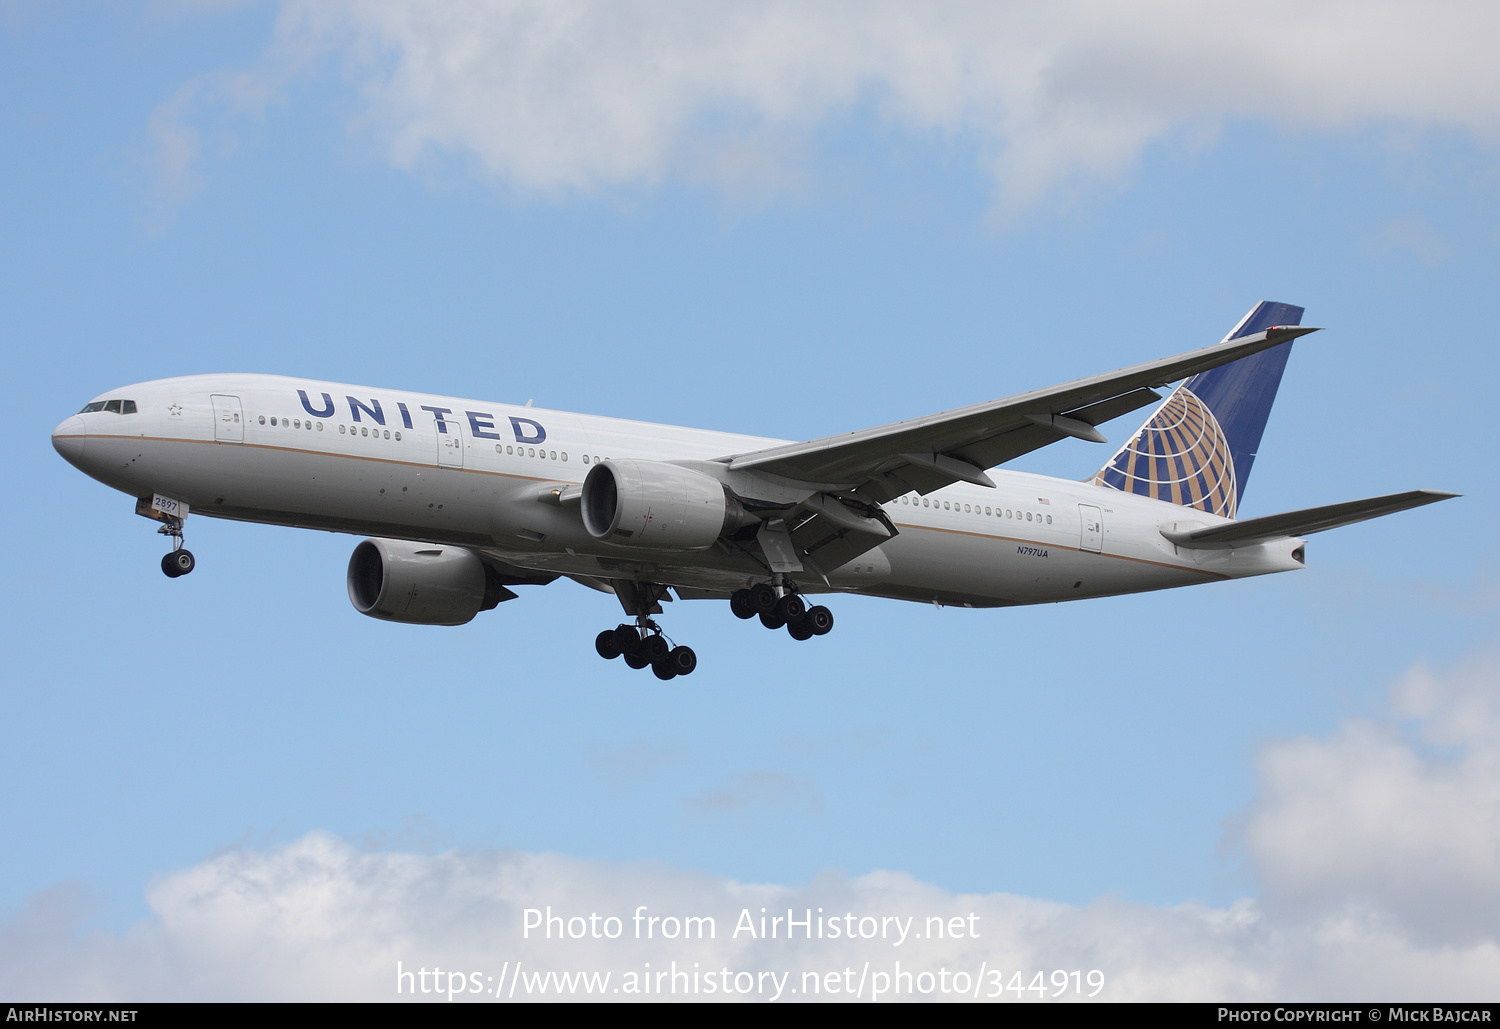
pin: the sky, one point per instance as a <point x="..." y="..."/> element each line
<point x="787" y="220"/>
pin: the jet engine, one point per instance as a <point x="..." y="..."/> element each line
<point x="657" y="505"/>
<point x="421" y="583"/>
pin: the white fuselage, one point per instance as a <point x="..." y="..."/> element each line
<point x="484" y="475"/>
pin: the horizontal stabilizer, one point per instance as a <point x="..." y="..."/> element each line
<point x="1250" y="531"/>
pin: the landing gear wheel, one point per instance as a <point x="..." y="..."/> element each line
<point x="819" y="619"/>
<point x="637" y="660"/>
<point x="663" y="669"/>
<point x="655" y="648"/>
<point x="799" y="630"/>
<point x="791" y="608"/>
<point x="742" y="604"/>
<point x="605" y="644"/>
<point x="771" y="620"/>
<point x="627" y="640"/>
<point x="178" y="562"/>
<point x="682" y="660"/>
<point x="764" y="598"/>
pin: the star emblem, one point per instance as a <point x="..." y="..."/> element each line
<point x="175" y="410"/>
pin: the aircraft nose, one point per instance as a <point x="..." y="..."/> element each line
<point x="67" y="439"/>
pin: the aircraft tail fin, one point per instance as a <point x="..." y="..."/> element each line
<point x="1196" y="449"/>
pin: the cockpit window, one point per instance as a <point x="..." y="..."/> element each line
<point x="113" y="406"/>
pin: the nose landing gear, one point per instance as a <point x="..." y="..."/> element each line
<point x="180" y="561"/>
<point x="171" y="514"/>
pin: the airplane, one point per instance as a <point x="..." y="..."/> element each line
<point x="463" y="499"/>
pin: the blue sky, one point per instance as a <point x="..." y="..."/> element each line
<point x="223" y="187"/>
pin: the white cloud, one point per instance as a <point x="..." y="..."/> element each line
<point x="636" y="762"/>
<point x="568" y="95"/>
<point x="1378" y="851"/>
<point x="1371" y="824"/>
<point x="757" y="788"/>
<point x="174" y="146"/>
<point x="1415" y="235"/>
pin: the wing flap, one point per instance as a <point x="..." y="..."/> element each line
<point x="826" y="545"/>
<point x="1106" y="410"/>
<point x="1305" y="522"/>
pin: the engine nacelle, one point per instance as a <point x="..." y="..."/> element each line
<point x="656" y="505"/>
<point x="421" y="583"/>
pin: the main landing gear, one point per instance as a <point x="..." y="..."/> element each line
<point x="646" y="646"/>
<point x="781" y="606"/>
<point x="642" y="644"/>
<point x="180" y="561"/>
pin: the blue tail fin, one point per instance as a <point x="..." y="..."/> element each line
<point x="1197" y="448"/>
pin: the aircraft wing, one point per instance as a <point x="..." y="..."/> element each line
<point x="925" y="454"/>
<point x="1309" y="520"/>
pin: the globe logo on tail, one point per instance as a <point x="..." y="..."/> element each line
<point x="1181" y="456"/>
